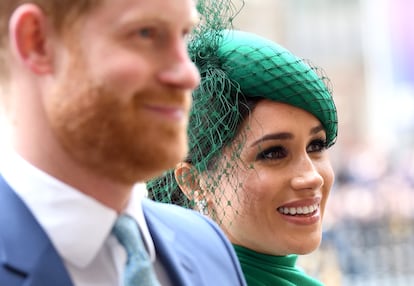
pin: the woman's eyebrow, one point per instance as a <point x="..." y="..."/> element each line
<point x="316" y="129"/>
<point x="273" y="136"/>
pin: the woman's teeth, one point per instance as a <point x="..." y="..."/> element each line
<point x="298" y="210"/>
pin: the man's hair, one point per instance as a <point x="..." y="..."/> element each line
<point x="61" y="14"/>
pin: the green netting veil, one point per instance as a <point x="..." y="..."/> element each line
<point x="236" y="67"/>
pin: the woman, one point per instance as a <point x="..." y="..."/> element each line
<point x="261" y="124"/>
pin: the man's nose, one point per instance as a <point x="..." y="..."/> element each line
<point x="180" y="71"/>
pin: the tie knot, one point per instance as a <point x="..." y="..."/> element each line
<point x="139" y="269"/>
<point x="127" y="232"/>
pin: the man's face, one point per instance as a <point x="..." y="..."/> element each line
<point x="121" y="94"/>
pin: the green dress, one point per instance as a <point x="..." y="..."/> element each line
<point x="268" y="270"/>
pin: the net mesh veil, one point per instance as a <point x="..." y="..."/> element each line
<point x="237" y="69"/>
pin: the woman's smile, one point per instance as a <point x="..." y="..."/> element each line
<point x="302" y="212"/>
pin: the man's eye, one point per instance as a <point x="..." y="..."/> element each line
<point x="317" y="146"/>
<point x="273" y="153"/>
<point x="147" y="32"/>
<point x="187" y="34"/>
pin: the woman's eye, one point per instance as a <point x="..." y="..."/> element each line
<point x="273" y="153"/>
<point x="317" y="146"/>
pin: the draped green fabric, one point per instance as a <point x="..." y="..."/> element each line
<point x="267" y="270"/>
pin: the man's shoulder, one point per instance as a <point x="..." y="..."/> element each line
<point x="187" y="225"/>
<point x="26" y="254"/>
<point x="197" y="240"/>
<point x="180" y="216"/>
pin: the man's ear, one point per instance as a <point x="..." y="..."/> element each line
<point x="29" y="40"/>
<point x="187" y="179"/>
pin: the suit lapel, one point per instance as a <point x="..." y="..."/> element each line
<point x="24" y="247"/>
<point x="169" y="250"/>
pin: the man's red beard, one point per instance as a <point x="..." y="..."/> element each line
<point x="112" y="135"/>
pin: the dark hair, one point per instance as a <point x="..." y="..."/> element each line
<point x="166" y="188"/>
<point x="246" y="106"/>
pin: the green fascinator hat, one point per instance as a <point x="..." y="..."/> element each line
<point x="255" y="66"/>
<point x="236" y="67"/>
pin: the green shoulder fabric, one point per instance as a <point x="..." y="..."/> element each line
<point x="267" y="270"/>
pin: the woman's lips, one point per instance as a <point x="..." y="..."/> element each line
<point x="303" y="212"/>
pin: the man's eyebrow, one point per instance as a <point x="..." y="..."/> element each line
<point x="273" y="136"/>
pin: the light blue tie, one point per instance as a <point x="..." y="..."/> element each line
<point x="138" y="270"/>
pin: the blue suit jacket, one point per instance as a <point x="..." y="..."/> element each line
<point x="192" y="248"/>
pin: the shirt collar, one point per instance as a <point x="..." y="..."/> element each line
<point x="59" y="208"/>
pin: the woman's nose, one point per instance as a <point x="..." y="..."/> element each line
<point x="306" y="175"/>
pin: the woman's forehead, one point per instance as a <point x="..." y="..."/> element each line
<point x="279" y="116"/>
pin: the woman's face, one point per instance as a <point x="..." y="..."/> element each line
<point x="272" y="199"/>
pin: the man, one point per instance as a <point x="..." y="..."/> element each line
<point x="98" y="94"/>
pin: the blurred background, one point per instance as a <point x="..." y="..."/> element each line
<point x="366" y="48"/>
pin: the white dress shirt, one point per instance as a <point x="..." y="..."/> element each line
<point x="78" y="225"/>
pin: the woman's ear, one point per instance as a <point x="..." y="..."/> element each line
<point x="29" y="38"/>
<point x="187" y="179"/>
